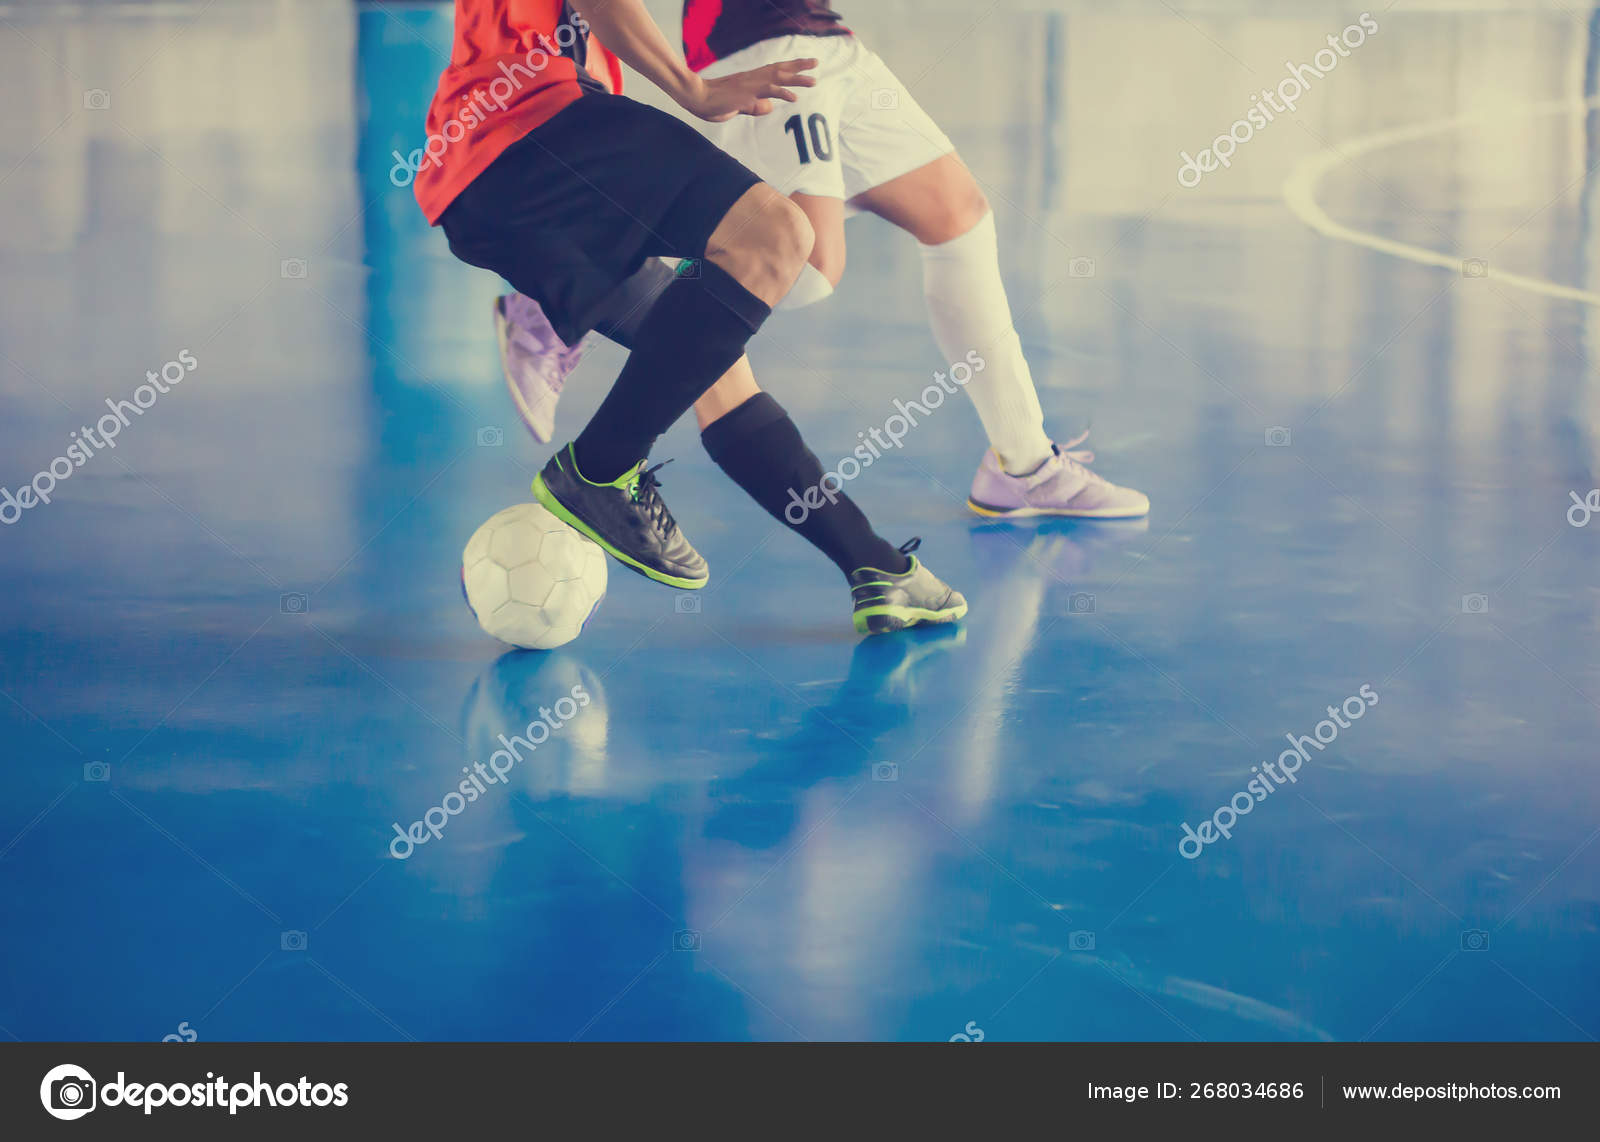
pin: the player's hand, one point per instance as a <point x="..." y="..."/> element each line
<point x="749" y="92"/>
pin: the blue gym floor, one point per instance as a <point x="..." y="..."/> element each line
<point x="234" y="653"/>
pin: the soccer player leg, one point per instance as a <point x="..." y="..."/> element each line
<point x="908" y="173"/>
<point x="537" y="363"/>
<point x="746" y="256"/>
<point x="754" y="441"/>
<point x="746" y="247"/>
<point x="901" y="166"/>
<point x="565" y="218"/>
<point x="941" y="206"/>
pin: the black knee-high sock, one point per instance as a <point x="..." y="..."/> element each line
<point x="759" y="447"/>
<point x="693" y="334"/>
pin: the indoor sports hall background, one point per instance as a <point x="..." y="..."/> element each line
<point x="1354" y="368"/>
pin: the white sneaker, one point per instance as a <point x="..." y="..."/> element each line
<point x="1062" y="486"/>
<point x="535" y="360"/>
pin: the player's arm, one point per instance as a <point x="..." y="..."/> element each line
<point x="626" y="28"/>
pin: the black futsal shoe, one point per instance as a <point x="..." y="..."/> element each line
<point x="626" y="517"/>
<point x="915" y="597"/>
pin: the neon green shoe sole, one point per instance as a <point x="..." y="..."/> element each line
<point x="545" y="496"/>
<point x="888" y="619"/>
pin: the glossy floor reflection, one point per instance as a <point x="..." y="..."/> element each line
<point x="233" y="653"/>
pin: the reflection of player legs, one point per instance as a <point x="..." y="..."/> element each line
<point x="1024" y="589"/>
<point x="845" y="737"/>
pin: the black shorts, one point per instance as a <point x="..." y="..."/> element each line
<point x="572" y="211"/>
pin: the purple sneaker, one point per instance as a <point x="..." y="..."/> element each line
<point x="1062" y="486"/>
<point x="536" y="361"/>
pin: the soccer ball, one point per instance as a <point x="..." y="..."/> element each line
<point x="531" y="580"/>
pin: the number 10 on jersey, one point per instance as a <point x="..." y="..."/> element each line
<point x="821" y="137"/>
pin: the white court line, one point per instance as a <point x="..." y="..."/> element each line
<point x="1299" y="192"/>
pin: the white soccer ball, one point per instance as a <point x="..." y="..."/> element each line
<point x="532" y="581"/>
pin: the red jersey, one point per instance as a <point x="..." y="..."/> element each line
<point x="514" y="65"/>
<point x="715" y="29"/>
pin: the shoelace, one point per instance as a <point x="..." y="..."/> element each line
<point x="1078" y="461"/>
<point x="646" y="493"/>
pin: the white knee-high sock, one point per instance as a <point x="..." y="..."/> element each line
<point x="968" y="310"/>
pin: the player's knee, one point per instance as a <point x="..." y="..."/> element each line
<point x="957" y="213"/>
<point x="764" y="243"/>
<point x="955" y="208"/>
<point x="972" y="209"/>
<point x="788" y="237"/>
